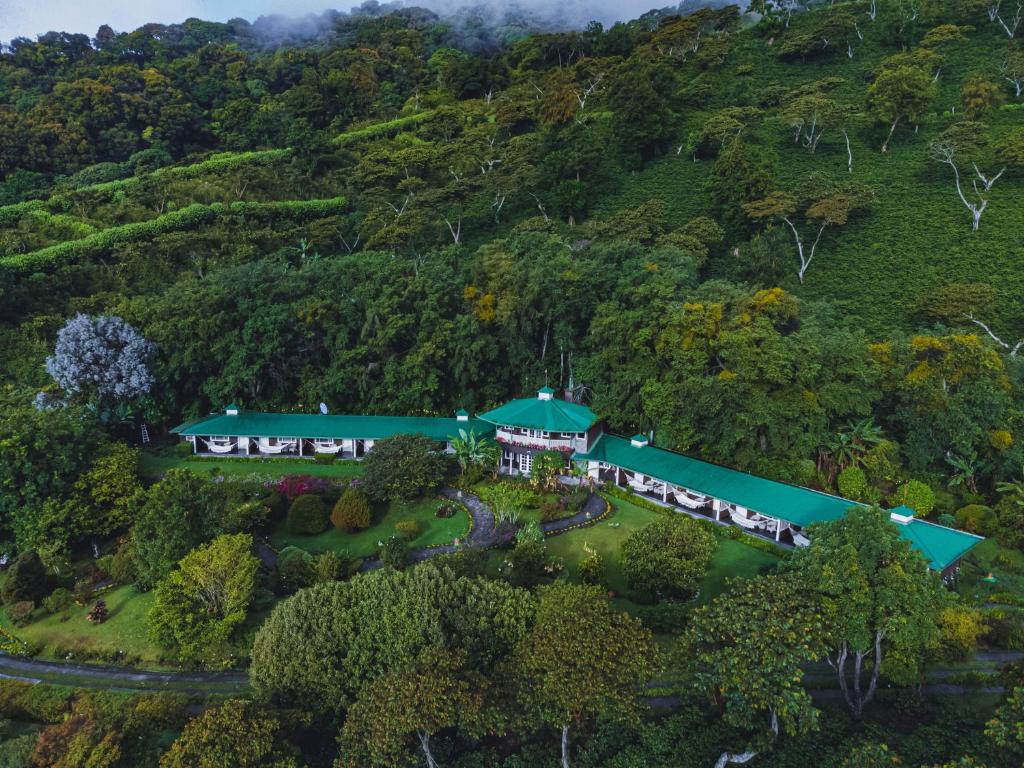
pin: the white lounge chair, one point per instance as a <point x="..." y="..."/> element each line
<point x="752" y="523"/>
<point x="688" y="501"/>
<point x="800" y="539"/>
<point x="640" y="486"/>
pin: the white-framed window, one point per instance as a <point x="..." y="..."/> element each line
<point x="525" y="462"/>
<point x="539" y="434"/>
<point x="507" y="455"/>
<point x="568" y="435"/>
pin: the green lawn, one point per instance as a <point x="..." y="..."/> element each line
<point x="154" y="465"/>
<point x="125" y="629"/>
<point x="733" y="559"/>
<point x="606" y="537"/>
<point x="433" y="530"/>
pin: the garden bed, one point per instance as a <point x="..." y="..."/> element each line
<point x="434" y="530"/>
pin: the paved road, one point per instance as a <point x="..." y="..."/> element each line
<point x="120" y="678"/>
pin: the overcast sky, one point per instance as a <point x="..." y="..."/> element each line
<point x="29" y="18"/>
<point x="32" y="17"/>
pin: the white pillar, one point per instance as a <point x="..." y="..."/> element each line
<point x="300" y="447"/>
<point x="718" y="509"/>
<point x="664" y="492"/>
<point x="778" y="529"/>
<point x="618" y="475"/>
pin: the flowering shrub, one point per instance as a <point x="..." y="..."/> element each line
<point x="291" y="486"/>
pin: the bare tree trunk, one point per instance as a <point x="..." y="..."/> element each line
<point x="565" y="746"/>
<point x="735" y="758"/>
<point x="425" y="744"/>
<point x="849" y="152"/>
<point x="892" y="130"/>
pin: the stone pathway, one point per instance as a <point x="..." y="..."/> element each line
<point x="483" y="535"/>
<point x="594" y="510"/>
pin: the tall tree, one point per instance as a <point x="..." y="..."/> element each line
<point x="901" y="93"/>
<point x="412" y="703"/>
<point x="747" y="649"/>
<point x="200" y="603"/>
<point x="581" y="659"/>
<point x="882" y="596"/>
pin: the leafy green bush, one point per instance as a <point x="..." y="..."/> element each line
<point x="26" y="580"/>
<point x="591" y="568"/>
<point x="853" y="483"/>
<point x="668" y="557"/>
<point x="325" y="458"/>
<point x="294" y="568"/>
<point x="403" y="467"/>
<point x="20" y="613"/>
<point x="395" y="552"/>
<point x="58" y="600"/>
<point x="352" y="511"/>
<point x="916" y="495"/>
<point x="307" y="515"/>
<point x="977" y="518"/>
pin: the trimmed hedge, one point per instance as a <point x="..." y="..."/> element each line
<point x="192" y="217"/>
<point x="387" y="128"/>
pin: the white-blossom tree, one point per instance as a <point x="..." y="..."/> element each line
<point x="102" y="359"/>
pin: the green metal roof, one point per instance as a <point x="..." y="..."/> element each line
<point x="552" y="415"/>
<point x="319" y="426"/>
<point x="940" y="545"/>
<point x="800" y="506"/>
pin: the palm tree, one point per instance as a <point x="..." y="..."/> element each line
<point x="471" y="450"/>
<point x="1013" y="488"/>
<point x="849" y="444"/>
<point x="965" y="471"/>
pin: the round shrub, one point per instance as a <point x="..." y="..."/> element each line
<point x="668" y="557"/>
<point x="26" y="580"/>
<point x="916" y="495"/>
<point x="403" y="467"/>
<point x="58" y="600"/>
<point x="307" y="515"/>
<point x="352" y="511"/>
<point x="853" y="483"/>
<point x="20" y="613"/>
<point x="977" y="518"/>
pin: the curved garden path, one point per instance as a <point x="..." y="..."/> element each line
<point x="483" y="532"/>
<point x="594" y="510"/>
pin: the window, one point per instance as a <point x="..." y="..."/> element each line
<point x="568" y="435"/>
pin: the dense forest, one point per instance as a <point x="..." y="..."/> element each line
<point x="786" y="238"/>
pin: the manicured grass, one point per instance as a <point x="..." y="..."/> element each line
<point x="153" y="466"/>
<point x="125" y="629"/>
<point x="433" y="530"/>
<point x="733" y="559"/>
<point x="607" y="538"/>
